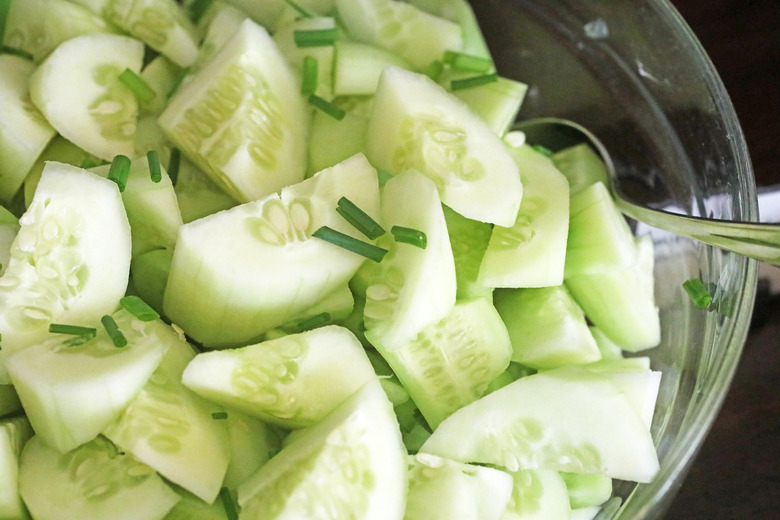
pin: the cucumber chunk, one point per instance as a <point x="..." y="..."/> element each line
<point x="93" y="481"/>
<point x="198" y="196"/>
<point x="358" y="67"/>
<point x="171" y="429"/>
<point x="412" y="287"/>
<point x="565" y="420"/>
<point x="441" y="489"/>
<point x="496" y="103"/>
<point x="332" y="141"/>
<point x="284" y="38"/>
<point x="350" y="465"/>
<point x="241" y="119"/>
<point x="71" y="393"/>
<point x="417" y="124"/>
<point x="581" y="166"/>
<point x="190" y="507"/>
<point x="587" y="490"/>
<point x="70" y="260"/>
<point x="292" y="381"/>
<point x="76" y="88"/>
<point x="469" y="240"/>
<point x="252" y="444"/>
<point x="14" y="433"/>
<point x="9" y="400"/>
<point x="538" y="494"/>
<point x="9" y="227"/>
<point x="241" y="272"/>
<point x="223" y="21"/>
<point x="24" y="132"/>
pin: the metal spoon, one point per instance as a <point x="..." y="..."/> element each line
<point x="752" y="239"/>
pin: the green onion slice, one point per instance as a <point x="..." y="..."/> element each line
<point x="153" y="160"/>
<point x="198" y="8"/>
<point x="139" y="308"/>
<point x="227" y="503"/>
<point x="472" y="82"/>
<point x="359" y="219"/>
<point x="74" y="330"/>
<point x="112" y="329"/>
<point x="143" y="92"/>
<point x="219" y="416"/>
<point x="409" y="236"/>
<point x="318" y="320"/>
<point x="119" y="171"/>
<point x="327" y="107"/>
<point x="316" y="37"/>
<point x="173" y="165"/>
<point x="468" y="62"/>
<point x="349" y="243"/>
<point x="310" y="74"/>
<point x="698" y="292"/>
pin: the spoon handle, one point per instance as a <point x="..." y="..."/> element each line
<point x="760" y="241"/>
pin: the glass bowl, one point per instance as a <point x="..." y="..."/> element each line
<point x="633" y="72"/>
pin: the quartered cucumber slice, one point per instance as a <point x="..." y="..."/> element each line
<point x="538" y="494"/>
<point x="24" y="132"/>
<point x="496" y="103"/>
<point x="198" y="196"/>
<point x="460" y="12"/>
<point x="416" y="124"/>
<point x="252" y="444"/>
<point x="581" y="166"/>
<point x="14" y="433"/>
<point x="93" y="481"/>
<point x="469" y="240"/>
<point x="412" y="287"/>
<point x="358" y="67"/>
<point x="587" y="490"/>
<point x="241" y="272"/>
<point x="292" y="381"/>
<point x="241" y="117"/>
<point x="71" y="392"/>
<point x="332" y="141"/>
<point x="76" y="88"/>
<point x="9" y="227"/>
<point x="70" y="260"/>
<point x="170" y="428"/>
<point x="350" y="465"/>
<point x="565" y="420"/>
<point x="223" y="21"/>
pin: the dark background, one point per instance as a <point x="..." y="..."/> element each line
<point x="736" y="475"/>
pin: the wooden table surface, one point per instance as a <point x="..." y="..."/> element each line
<point x="736" y="475"/>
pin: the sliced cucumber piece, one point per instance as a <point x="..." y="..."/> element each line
<point x="190" y="507"/>
<point x="469" y="240"/>
<point x="350" y="465"/>
<point x="418" y="37"/>
<point x="72" y="392"/>
<point x="496" y="103"/>
<point x="609" y="349"/>
<point x="170" y="428"/>
<point x="224" y="21"/>
<point x="459" y="11"/>
<point x="587" y="490"/>
<point x="450" y="364"/>
<point x="241" y="272"/>
<point x="241" y="117"/>
<point x="358" y="66"/>
<point x="547" y="327"/>
<point x="412" y="288"/>
<point x="160" y="24"/>
<point x="284" y="38"/>
<point x="149" y="274"/>
<point x="93" y="481"/>
<point x="9" y="227"/>
<point x="70" y="260"/>
<point x="162" y="75"/>
<point x="197" y="194"/>
<point x="24" y="132"/>
<point x="252" y="444"/>
<point x="77" y="89"/>
<point x="585" y="513"/>
<point x="417" y="124"/>
<point x="538" y="494"/>
<point x="332" y="141"/>
<point x="292" y="381"/>
<point x="565" y="420"/>
<point x="441" y="489"/>
<point x="14" y="433"/>
<point x="531" y="252"/>
<point x="9" y="401"/>
<point x="334" y="307"/>
<point x="581" y="166"/>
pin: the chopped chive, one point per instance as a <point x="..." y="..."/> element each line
<point x="78" y="340"/>
<point x="409" y="236"/>
<point x="349" y="243"/>
<point x="74" y="330"/>
<point x="542" y="150"/>
<point x="318" y="320"/>
<point x="327" y="107"/>
<point x="467" y="62"/>
<point x="143" y="92"/>
<point x="472" y="82"/>
<point x="112" y="329"/>
<point x="359" y="219"/>
<point x="435" y="70"/>
<point x="198" y="8"/>
<point x="5" y="49"/>
<point x="310" y="74"/>
<point x="173" y="165"/>
<point x="698" y="292"/>
<point x="316" y="37"/>
<point x="301" y="11"/>
<point x="119" y="171"/>
<point x="227" y="503"/>
<point x="139" y="308"/>
<point x="219" y="416"/>
<point x="153" y="160"/>
<point x="383" y="176"/>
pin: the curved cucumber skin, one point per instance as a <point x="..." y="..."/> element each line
<point x="241" y="117"/>
<point x="352" y="464"/>
<point x="469" y="240"/>
<point x="24" y="132"/>
<point x="198" y="196"/>
<point x="246" y="270"/>
<point x="538" y="494"/>
<point x="566" y="420"/>
<point x="531" y="252"/>
<point x="70" y="260"/>
<point x="411" y="288"/>
<point x="416" y="124"/>
<point x="170" y="428"/>
<point x="14" y="433"/>
<point x="293" y="381"/>
<point x="459" y="11"/>
<point x="76" y="88"/>
<point x="92" y="481"/>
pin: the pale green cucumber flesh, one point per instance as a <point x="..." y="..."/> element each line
<point x="14" y="433"/>
<point x="538" y="495"/>
<point x="469" y="240"/>
<point x="581" y="166"/>
<point x="587" y="490"/>
<point x="285" y="42"/>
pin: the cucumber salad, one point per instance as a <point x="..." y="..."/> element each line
<point x="276" y="259"/>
